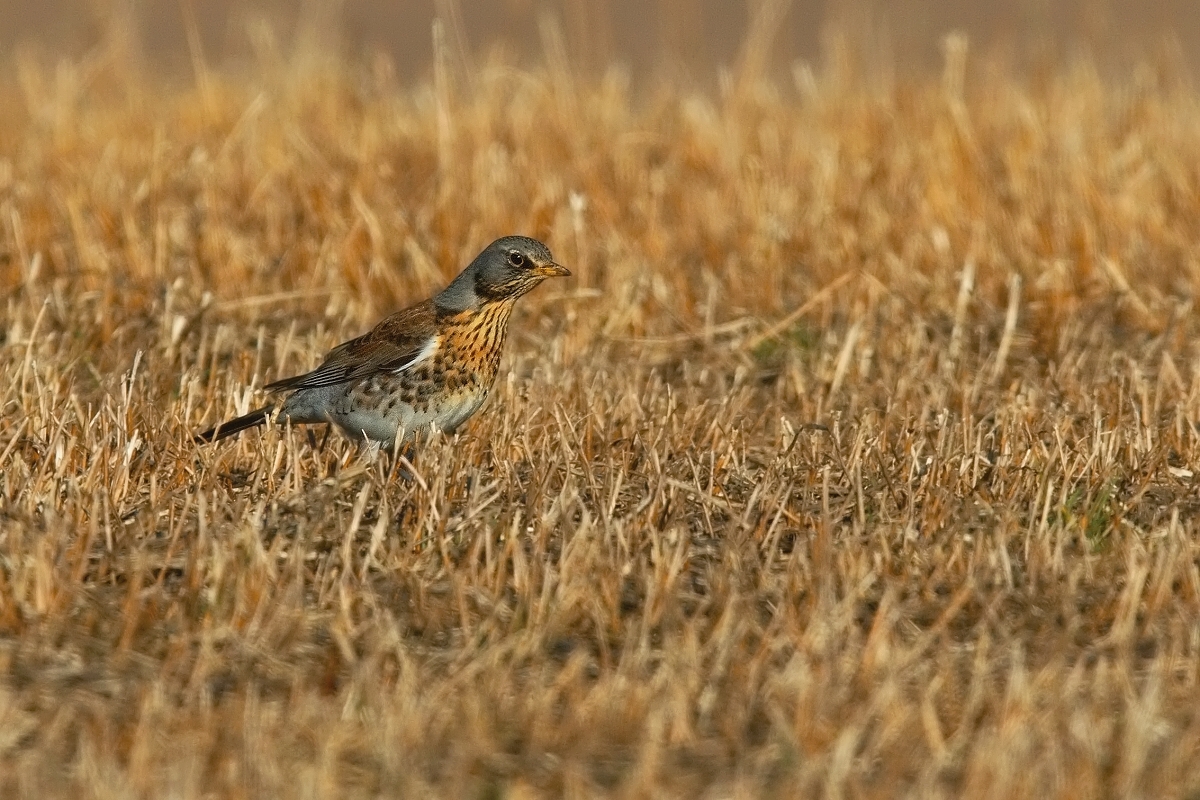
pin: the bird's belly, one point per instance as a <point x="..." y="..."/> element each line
<point x="390" y="418"/>
<point x="374" y="426"/>
<point x="454" y="411"/>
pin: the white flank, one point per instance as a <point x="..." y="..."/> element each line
<point x="425" y="352"/>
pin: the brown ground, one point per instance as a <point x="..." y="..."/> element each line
<point x="858" y="460"/>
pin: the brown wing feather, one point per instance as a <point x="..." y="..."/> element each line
<point x="388" y="346"/>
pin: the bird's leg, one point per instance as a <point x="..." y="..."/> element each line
<point x="409" y="454"/>
<point x="402" y="457"/>
<point x="312" y="438"/>
<point x="318" y="448"/>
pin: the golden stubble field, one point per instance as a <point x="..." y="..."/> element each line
<point x="858" y="459"/>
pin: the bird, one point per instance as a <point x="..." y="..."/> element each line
<point x="427" y="367"/>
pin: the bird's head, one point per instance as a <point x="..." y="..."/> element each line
<point x="506" y="269"/>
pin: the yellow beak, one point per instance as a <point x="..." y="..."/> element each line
<point x="551" y="270"/>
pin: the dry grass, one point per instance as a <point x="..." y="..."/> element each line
<point x="858" y="460"/>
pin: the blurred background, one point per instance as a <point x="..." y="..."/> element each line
<point x="682" y="38"/>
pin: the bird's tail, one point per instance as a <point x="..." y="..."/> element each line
<point x="235" y="425"/>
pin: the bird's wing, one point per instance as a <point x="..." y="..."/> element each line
<point x="394" y="345"/>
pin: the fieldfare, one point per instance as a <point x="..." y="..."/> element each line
<point x="427" y="367"/>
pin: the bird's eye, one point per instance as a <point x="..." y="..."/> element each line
<point x="516" y="259"/>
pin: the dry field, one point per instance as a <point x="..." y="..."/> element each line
<point x="859" y="458"/>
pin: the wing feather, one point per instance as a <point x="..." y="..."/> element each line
<point x="394" y="345"/>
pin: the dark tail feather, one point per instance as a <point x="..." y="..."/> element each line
<point x="235" y="425"/>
